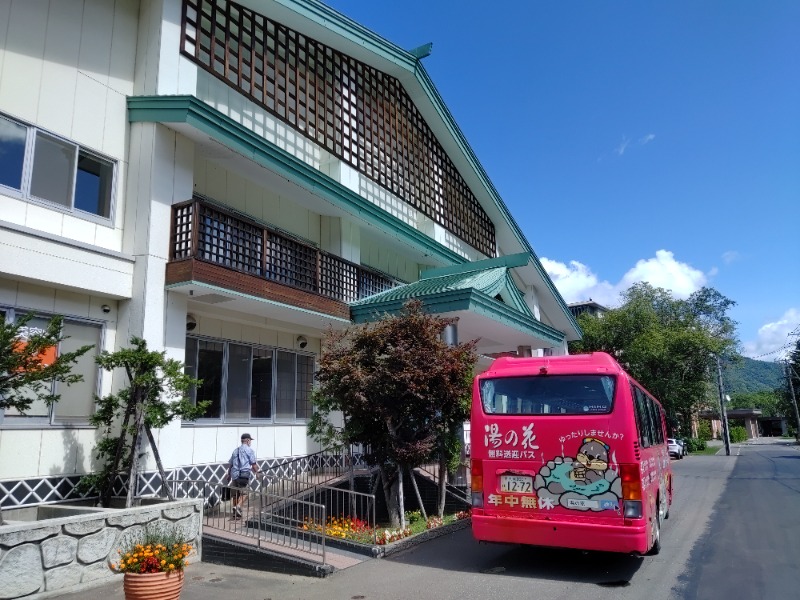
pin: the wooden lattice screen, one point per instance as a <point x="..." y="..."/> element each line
<point x="354" y="111"/>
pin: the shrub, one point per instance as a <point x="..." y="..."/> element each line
<point x="695" y="445"/>
<point x="704" y="431"/>
<point x="738" y="434"/>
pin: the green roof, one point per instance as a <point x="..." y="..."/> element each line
<point x="488" y="294"/>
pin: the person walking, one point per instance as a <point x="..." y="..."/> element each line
<point x="242" y="463"/>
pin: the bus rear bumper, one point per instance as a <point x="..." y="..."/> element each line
<point x="631" y="538"/>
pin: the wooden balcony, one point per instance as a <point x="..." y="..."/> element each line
<point x="213" y="245"/>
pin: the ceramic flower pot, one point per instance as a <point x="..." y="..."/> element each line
<point x="153" y="586"/>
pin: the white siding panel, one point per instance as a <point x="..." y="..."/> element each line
<point x="254" y="201"/>
<point x="186" y="448"/>
<point x="16" y="447"/>
<point x="98" y="24"/>
<point x="88" y="121"/>
<point x="59" y="452"/>
<point x="75" y="268"/>
<point x="72" y="303"/>
<point x="44" y="219"/>
<point x="78" y="229"/>
<point x="236" y="192"/>
<point x="36" y="297"/>
<point x="59" y="74"/>
<point x="22" y="63"/>
<point x="108" y="237"/>
<point x="283" y="440"/>
<point x="204" y="449"/>
<point x="116" y="125"/>
<point x="300" y="445"/>
<point x="8" y="292"/>
<point x="264" y="442"/>
<point x="13" y="210"/>
<point x="123" y="46"/>
<point x="231" y="331"/>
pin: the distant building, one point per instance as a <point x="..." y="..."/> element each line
<point x="591" y="307"/>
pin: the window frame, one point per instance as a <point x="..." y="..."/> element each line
<point x="26" y="177"/>
<point x="10" y="313"/>
<point x="223" y="418"/>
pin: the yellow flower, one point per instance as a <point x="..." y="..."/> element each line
<point x="163" y="562"/>
<point x="171" y="566"/>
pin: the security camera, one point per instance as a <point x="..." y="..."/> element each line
<point x="106" y="308"/>
<point x="191" y="323"/>
<point x="302" y="342"/>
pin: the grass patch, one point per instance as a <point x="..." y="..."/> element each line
<point x="709" y="451"/>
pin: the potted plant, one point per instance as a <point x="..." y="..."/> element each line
<point x="152" y="564"/>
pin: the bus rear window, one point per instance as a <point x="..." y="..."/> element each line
<point x="548" y="394"/>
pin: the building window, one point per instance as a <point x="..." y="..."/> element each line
<point x="76" y="403"/>
<point x="40" y="166"/>
<point x="250" y="383"/>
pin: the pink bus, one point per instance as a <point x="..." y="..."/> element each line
<point x="570" y="452"/>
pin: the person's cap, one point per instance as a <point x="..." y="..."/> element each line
<point x="247" y="436"/>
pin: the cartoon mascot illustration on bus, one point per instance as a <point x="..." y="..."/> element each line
<point x="588" y="481"/>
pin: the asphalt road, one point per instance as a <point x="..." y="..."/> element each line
<point x="732" y="533"/>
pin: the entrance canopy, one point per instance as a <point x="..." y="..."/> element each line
<point x="484" y="298"/>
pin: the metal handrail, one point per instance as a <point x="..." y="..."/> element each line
<point x="267" y="517"/>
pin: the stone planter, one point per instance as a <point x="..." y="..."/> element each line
<point x="72" y="549"/>
<point x="153" y="586"/>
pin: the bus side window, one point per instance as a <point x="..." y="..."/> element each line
<point x="642" y="417"/>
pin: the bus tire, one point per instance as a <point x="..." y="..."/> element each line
<point x="656" y="547"/>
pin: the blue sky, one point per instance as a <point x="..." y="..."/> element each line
<point x="632" y="141"/>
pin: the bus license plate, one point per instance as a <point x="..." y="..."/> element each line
<point x="520" y="484"/>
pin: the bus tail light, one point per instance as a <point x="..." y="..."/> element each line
<point x="476" y="482"/>
<point x="631" y="491"/>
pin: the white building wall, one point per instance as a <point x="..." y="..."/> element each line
<point x="231" y="189"/>
<point x="54" y="450"/>
<point x="66" y="66"/>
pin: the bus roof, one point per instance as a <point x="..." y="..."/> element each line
<point x="595" y="362"/>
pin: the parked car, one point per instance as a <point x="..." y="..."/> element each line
<point x="684" y="447"/>
<point x="676" y="449"/>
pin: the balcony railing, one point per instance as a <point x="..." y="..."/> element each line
<point x="209" y="233"/>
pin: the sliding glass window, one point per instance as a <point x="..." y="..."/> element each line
<point x="250" y="383"/>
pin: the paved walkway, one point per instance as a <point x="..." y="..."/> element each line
<point x="205" y="581"/>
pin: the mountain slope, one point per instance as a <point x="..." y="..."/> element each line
<point x="751" y="376"/>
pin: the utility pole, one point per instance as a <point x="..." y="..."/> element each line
<point x="789" y="370"/>
<point x="722" y="410"/>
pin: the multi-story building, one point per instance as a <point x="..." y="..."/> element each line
<point x="227" y="181"/>
<point x="590" y="306"/>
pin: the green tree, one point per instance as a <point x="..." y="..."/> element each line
<point x="156" y="394"/>
<point x="665" y="343"/>
<point x="767" y="402"/>
<point x="787" y="404"/>
<point x="26" y="375"/>
<point x="403" y="392"/>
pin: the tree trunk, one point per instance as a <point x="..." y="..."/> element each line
<point x="442" y="481"/>
<point x="133" y="476"/>
<point x="401" y="508"/>
<point x="157" y="456"/>
<point x="113" y="469"/>
<point x="419" y="496"/>
<point x="390" y="494"/>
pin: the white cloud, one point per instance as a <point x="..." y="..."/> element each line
<point x="773" y="340"/>
<point x="647" y="139"/>
<point x="622" y="146"/>
<point x="666" y="272"/>
<point x="730" y="256"/>
<point x="577" y="283"/>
